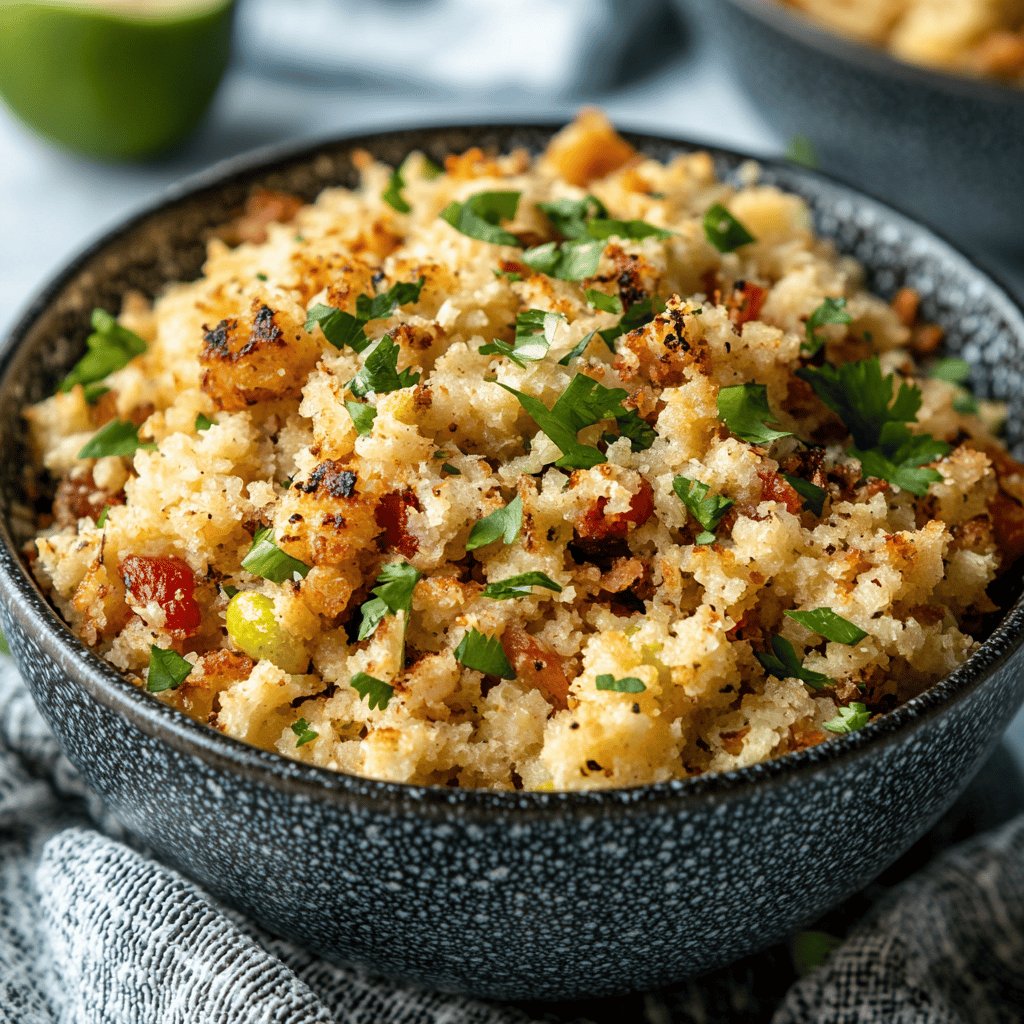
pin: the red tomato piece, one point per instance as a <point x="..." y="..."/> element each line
<point x="170" y="583"/>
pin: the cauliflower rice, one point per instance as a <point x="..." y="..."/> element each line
<point x="667" y="527"/>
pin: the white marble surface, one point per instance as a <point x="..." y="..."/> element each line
<point x="52" y="203"/>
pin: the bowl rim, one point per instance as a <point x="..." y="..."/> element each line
<point x="833" y="43"/>
<point x="34" y="616"/>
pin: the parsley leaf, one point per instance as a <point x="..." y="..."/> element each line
<point x="638" y="315"/>
<point x="101" y="519"/>
<point x="520" y="586"/>
<point x="379" y="374"/>
<point x="570" y="216"/>
<point x="485" y="654"/>
<point x="952" y="369"/>
<point x="535" y="334"/>
<point x="479" y="216"/>
<point x="724" y="231"/>
<point x="573" y="260"/>
<point x="577" y="350"/>
<point x="393" y="594"/>
<point x="267" y="560"/>
<point x="584" y="403"/>
<point x="604" y="227"/>
<point x="375" y="692"/>
<point x="341" y="328"/>
<point x="744" y="409"/>
<point x="830" y="625"/>
<point x="813" y="495"/>
<point x="167" y="670"/>
<point x="603" y="301"/>
<point x="708" y="511"/>
<point x="447" y="467"/>
<point x="630" y="684"/>
<point x="363" y="414"/>
<point x="392" y="195"/>
<point x="203" y="422"/>
<point x="883" y="444"/>
<point x="108" y="348"/>
<point x="849" y="719"/>
<point x="303" y="733"/>
<point x="831" y="311"/>
<point x="118" y="437"/>
<point x="503" y="522"/>
<point x="783" y="663"/>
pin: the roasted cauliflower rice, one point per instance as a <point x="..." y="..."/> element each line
<point x="556" y="473"/>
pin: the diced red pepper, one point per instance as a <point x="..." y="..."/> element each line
<point x="746" y="302"/>
<point x="392" y="516"/>
<point x="775" y="488"/>
<point x="595" y="525"/>
<point x="170" y="583"/>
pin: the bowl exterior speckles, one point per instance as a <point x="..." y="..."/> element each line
<point x="946" y="147"/>
<point x="538" y="895"/>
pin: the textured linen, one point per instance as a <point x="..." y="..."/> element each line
<point x="94" y="932"/>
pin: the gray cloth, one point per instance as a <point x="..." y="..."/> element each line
<point x="94" y="932"/>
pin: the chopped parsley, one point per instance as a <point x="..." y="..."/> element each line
<point x="634" y="230"/>
<point x="572" y="260"/>
<point x="638" y="315"/>
<point x="503" y="522"/>
<point x="480" y="215"/>
<point x="813" y="495"/>
<point x="781" y="661"/>
<point x="584" y="403"/>
<point x="535" y="334"/>
<point x="363" y="414"/>
<point x="957" y="372"/>
<point x="228" y="590"/>
<point x="393" y="594"/>
<point x="303" y="733"/>
<point x="744" y="409"/>
<point x="830" y="625"/>
<point x="203" y="422"/>
<point x="883" y="444"/>
<point x="849" y="719"/>
<point x="510" y="275"/>
<point x="706" y="508"/>
<point x="167" y="670"/>
<point x="267" y="560"/>
<point x="603" y="301"/>
<point x="577" y="350"/>
<point x="375" y="692"/>
<point x="108" y="348"/>
<point x="118" y="437"/>
<point x="392" y="195"/>
<point x="571" y="217"/>
<point x="630" y="684"/>
<point x="831" y="311"/>
<point x="379" y="374"/>
<point x="341" y="328"/>
<point x="447" y="467"/>
<point x="724" y="231"/>
<point x="520" y="586"/>
<point x="485" y="654"/>
<point x="101" y="519"/>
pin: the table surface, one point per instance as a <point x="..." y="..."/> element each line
<point x="53" y="203"/>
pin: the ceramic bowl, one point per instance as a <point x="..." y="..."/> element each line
<point x="948" y="148"/>
<point x="503" y="894"/>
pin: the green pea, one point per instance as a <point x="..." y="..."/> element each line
<point x="254" y="629"/>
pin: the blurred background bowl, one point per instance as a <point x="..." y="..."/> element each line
<point x="948" y="148"/>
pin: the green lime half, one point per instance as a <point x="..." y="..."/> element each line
<point x="116" y="79"/>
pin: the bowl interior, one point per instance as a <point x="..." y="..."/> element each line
<point x="166" y="243"/>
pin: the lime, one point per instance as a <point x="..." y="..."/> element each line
<point x="115" y="79"/>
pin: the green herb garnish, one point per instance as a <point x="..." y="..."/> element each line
<point x="831" y="311"/>
<point x="813" y="495"/>
<point x="535" y="334"/>
<point x="951" y="369"/>
<point x="883" y="444"/>
<point x="634" y="230"/>
<point x="503" y="522"/>
<point x="520" y="586"/>
<point x="101" y="519"/>
<point x="849" y="719"/>
<point x="577" y="350"/>
<point x="267" y="560"/>
<point x="392" y="195"/>
<point x="573" y="260"/>
<point x="630" y="684"/>
<point x="485" y="654"/>
<point x="341" y="328"/>
<point x="167" y="670"/>
<point x="603" y="301"/>
<point x="801" y="151"/>
<point x="782" y="662"/>
<point x="830" y="625"/>
<point x="479" y="216"/>
<point x="638" y="315"/>
<point x="303" y="733"/>
<point x="744" y="409"/>
<point x="379" y="374"/>
<point x="109" y="347"/>
<point x="571" y="216"/>
<point x="203" y="422"/>
<point x="393" y="594"/>
<point x="118" y="437"/>
<point x="363" y="414"/>
<point x="724" y="231"/>
<point x="375" y="692"/>
<point x="706" y="508"/>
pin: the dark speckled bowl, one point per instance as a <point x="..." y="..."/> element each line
<point x="946" y="147"/>
<point x="504" y="894"/>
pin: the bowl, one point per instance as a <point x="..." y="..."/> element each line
<point x="503" y="894"/>
<point x="948" y="148"/>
